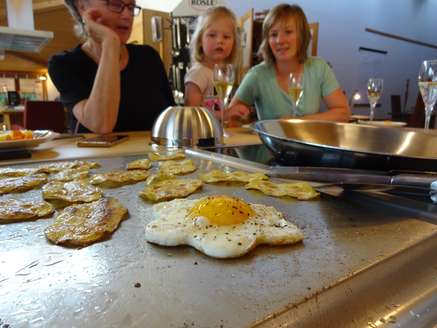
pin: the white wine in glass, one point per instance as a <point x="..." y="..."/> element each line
<point x="295" y="90"/>
<point x="374" y="91"/>
<point x="428" y="87"/>
<point x="224" y="76"/>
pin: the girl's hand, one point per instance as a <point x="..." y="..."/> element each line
<point x="96" y="29"/>
<point x="238" y="113"/>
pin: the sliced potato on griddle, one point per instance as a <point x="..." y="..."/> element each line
<point x="166" y="155"/>
<point x="170" y="189"/>
<point x="118" y="178"/>
<point x="140" y="164"/>
<point x="83" y="224"/>
<point x="59" y="166"/>
<point x="178" y="167"/>
<point x="15" y="210"/>
<point x="12" y="172"/>
<point x="236" y="176"/>
<point x="21" y="184"/>
<point x="62" y="194"/>
<point x="299" y="190"/>
<point x="70" y="174"/>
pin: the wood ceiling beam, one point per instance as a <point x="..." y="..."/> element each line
<point x="27" y="57"/>
<point x="47" y="5"/>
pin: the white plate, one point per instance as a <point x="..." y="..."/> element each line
<point x="383" y="123"/>
<point x="360" y="117"/>
<point x="39" y="137"/>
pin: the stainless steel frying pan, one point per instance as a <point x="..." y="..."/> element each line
<point x="319" y="143"/>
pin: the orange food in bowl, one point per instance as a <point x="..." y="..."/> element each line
<point x="16" y="135"/>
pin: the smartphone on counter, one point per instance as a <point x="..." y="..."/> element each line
<point x="102" y="141"/>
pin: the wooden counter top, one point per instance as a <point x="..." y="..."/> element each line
<point x="66" y="149"/>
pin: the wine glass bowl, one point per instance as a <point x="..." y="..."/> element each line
<point x="223" y="77"/>
<point x="374" y="91"/>
<point x="427" y="81"/>
<point x="295" y="89"/>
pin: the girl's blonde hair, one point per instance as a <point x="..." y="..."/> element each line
<point x="282" y="13"/>
<point x="203" y="22"/>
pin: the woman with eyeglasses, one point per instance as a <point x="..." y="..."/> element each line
<point x="106" y="84"/>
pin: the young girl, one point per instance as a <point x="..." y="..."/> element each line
<point x="214" y="41"/>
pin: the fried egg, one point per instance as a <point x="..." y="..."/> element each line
<point x="299" y="190"/>
<point x="15" y="210"/>
<point x="178" y="167"/>
<point x="21" y="184"/>
<point x="170" y="189"/>
<point x="219" y="226"/>
<point x="117" y="178"/>
<point x="140" y="164"/>
<point x="236" y="176"/>
<point x="83" y="224"/>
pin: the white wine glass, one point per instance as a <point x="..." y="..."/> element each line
<point x="224" y="77"/>
<point x="428" y="87"/>
<point x="374" y="91"/>
<point x="295" y="90"/>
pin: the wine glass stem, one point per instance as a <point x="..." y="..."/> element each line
<point x="428" y="112"/>
<point x="372" y="111"/>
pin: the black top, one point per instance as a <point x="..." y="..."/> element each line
<point x="145" y="90"/>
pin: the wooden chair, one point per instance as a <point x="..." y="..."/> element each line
<point x="45" y="115"/>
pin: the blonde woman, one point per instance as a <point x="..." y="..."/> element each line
<point x="215" y="41"/>
<point x="286" y="36"/>
<point x="106" y="84"/>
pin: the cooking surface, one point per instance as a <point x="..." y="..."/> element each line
<point x="127" y="282"/>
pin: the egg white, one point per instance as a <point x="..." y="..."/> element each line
<point x="172" y="226"/>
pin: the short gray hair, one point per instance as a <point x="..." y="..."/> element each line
<point x="79" y="26"/>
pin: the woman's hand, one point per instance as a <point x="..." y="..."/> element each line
<point x="96" y="28"/>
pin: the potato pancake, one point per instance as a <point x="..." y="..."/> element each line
<point x="70" y="174"/>
<point x="236" y="176"/>
<point x="170" y="189"/>
<point x="15" y="210"/>
<point x="10" y="172"/>
<point x="83" y="224"/>
<point x="62" y="194"/>
<point x="140" y="164"/>
<point x="117" y="178"/>
<point x="178" y="167"/>
<point x="21" y="184"/>
<point x="299" y="190"/>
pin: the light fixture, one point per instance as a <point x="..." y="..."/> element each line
<point x="42" y="77"/>
<point x="356" y="96"/>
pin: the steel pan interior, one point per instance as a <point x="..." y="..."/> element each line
<point x="321" y="143"/>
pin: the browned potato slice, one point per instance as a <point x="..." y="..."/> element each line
<point x="166" y="155"/>
<point x="14" y="210"/>
<point x="299" y="190"/>
<point x="70" y="174"/>
<point x="83" y="224"/>
<point x="118" y="178"/>
<point x="59" y="166"/>
<point x="62" y="194"/>
<point x="170" y="189"/>
<point x="178" y="167"/>
<point x="21" y="184"/>
<point x="11" y="172"/>
<point x="236" y="176"/>
<point x="140" y="164"/>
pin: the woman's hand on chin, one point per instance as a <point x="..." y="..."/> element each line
<point x="97" y="31"/>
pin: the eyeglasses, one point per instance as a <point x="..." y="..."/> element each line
<point x="118" y="7"/>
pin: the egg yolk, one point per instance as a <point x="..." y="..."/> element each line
<point x="222" y="210"/>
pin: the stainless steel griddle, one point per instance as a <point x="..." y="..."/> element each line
<point x="361" y="262"/>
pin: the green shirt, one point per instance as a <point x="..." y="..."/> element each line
<point x="260" y="88"/>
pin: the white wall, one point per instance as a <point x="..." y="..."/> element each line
<point x="342" y="32"/>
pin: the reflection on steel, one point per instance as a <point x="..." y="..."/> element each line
<point x="186" y="126"/>
<point x="320" y="143"/>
